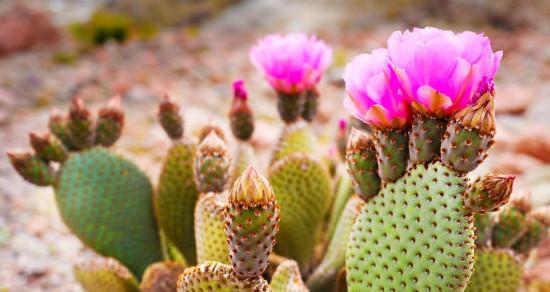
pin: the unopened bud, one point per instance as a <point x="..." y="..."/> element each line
<point x="47" y="147"/>
<point x="170" y="118"/>
<point x="488" y="193"/>
<point x="110" y="122"/>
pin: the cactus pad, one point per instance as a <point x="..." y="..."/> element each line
<point x="176" y="199"/>
<point x="212" y="276"/>
<point x="105" y="275"/>
<point x="242" y="158"/>
<point x="414" y="234"/>
<point x="161" y="277"/>
<point x="302" y="189"/>
<point x="210" y="228"/>
<point x="495" y="270"/>
<point x="107" y="202"/>
<point x="287" y="278"/>
<point x="297" y="137"/>
<point x="324" y="276"/>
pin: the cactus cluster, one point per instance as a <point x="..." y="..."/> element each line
<point x="399" y="214"/>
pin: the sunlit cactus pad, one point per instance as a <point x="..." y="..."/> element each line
<point x="302" y="188"/>
<point x="107" y="202"/>
<point x="105" y="275"/>
<point x="414" y="235"/>
<point x="176" y="199"/>
<point x="213" y="276"/>
<point x="295" y="138"/>
<point x="495" y="270"/>
<point x="210" y="228"/>
<point x="161" y="277"/>
<point x="287" y="278"/>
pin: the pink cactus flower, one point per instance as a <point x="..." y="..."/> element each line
<point x="374" y="93"/>
<point x="239" y="91"/>
<point x="440" y="71"/>
<point x="291" y="63"/>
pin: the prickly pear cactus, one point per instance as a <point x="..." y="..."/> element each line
<point x="107" y="202"/>
<point x="324" y="276"/>
<point x="287" y="277"/>
<point x="495" y="270"/>
<point x="177" y="193"/>
<point x="210" y="228"/>
<point x="295" y="138"/>
<point x="213" y="276"/>
<point x="105" y="274"/>
<point x="161" y="277"/>
<point x="417" y="232"/>
<point x="302" y="186"/>
<point x="251" y="223"/>
<point x="102" y="197"/>
<point x="507" y="239"/>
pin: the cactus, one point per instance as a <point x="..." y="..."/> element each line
<point x="102" y="197"/>
<point x="210" y="229"/>
<point x="514" y="233"/>
<point x="417" y="231"/>
<point x="213" y="276"/>
<point x="251" y="223"/>
<point x="105" y="275"/>
<point x="302" y="186"/>
<point x="177" y="193"/>
<point x="287" y="277"/>
<point x="161" y="277"/>
<point x="324" y="276"/>
<point x="405" y="215"/>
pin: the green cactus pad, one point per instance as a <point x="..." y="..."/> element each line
<point x="464" y="149"/>
<point x="287" y="278"/>
<point x="362" y="164"/>
<point x="511" y="224"/>
<point x="176" y="198"/>
<point x="105" y="275"/>
<point x="483" y="227"/>
<point x="242" y="158"/>
<point x="213" y="276"/>
<point x="324" y="276"/>
<point x="303" y="189"/>
<point x="210" y="228"/>
<point x="415" y="235"/>
<point x="107" y="202"/>
<point x="495" y="270"/>
<point x="425" y="138"/>
<point x="295" y="138"/>
<point x="344" y="191"/>
<point x="161" y="277"/>
<point x="251" y="235"/>
<point x="535" y="232"/>
<point x="392" y="153"/>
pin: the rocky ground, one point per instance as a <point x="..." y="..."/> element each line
<point x="196" y="67"/>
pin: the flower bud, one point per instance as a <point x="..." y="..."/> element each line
<point x="110" y="122"/>
<point x="241" y="117"/>
<point x="170" y="118"/>
<point x="47" y="147"/>
<point x="489" y="192"/>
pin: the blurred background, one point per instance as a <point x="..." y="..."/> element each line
<point x="51" y="50"/>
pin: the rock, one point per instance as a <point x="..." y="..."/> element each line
<point x="535" y="142"/>
<point x="513" y="99"/>
<point x="22" y="28"/>
<point x="512" y="163"/>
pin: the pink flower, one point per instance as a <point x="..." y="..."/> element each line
<point x="374" y="94"/>
<point x="442" y="72"/>
<point x="239" y="91"/>
<point x="291" y="63"/>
